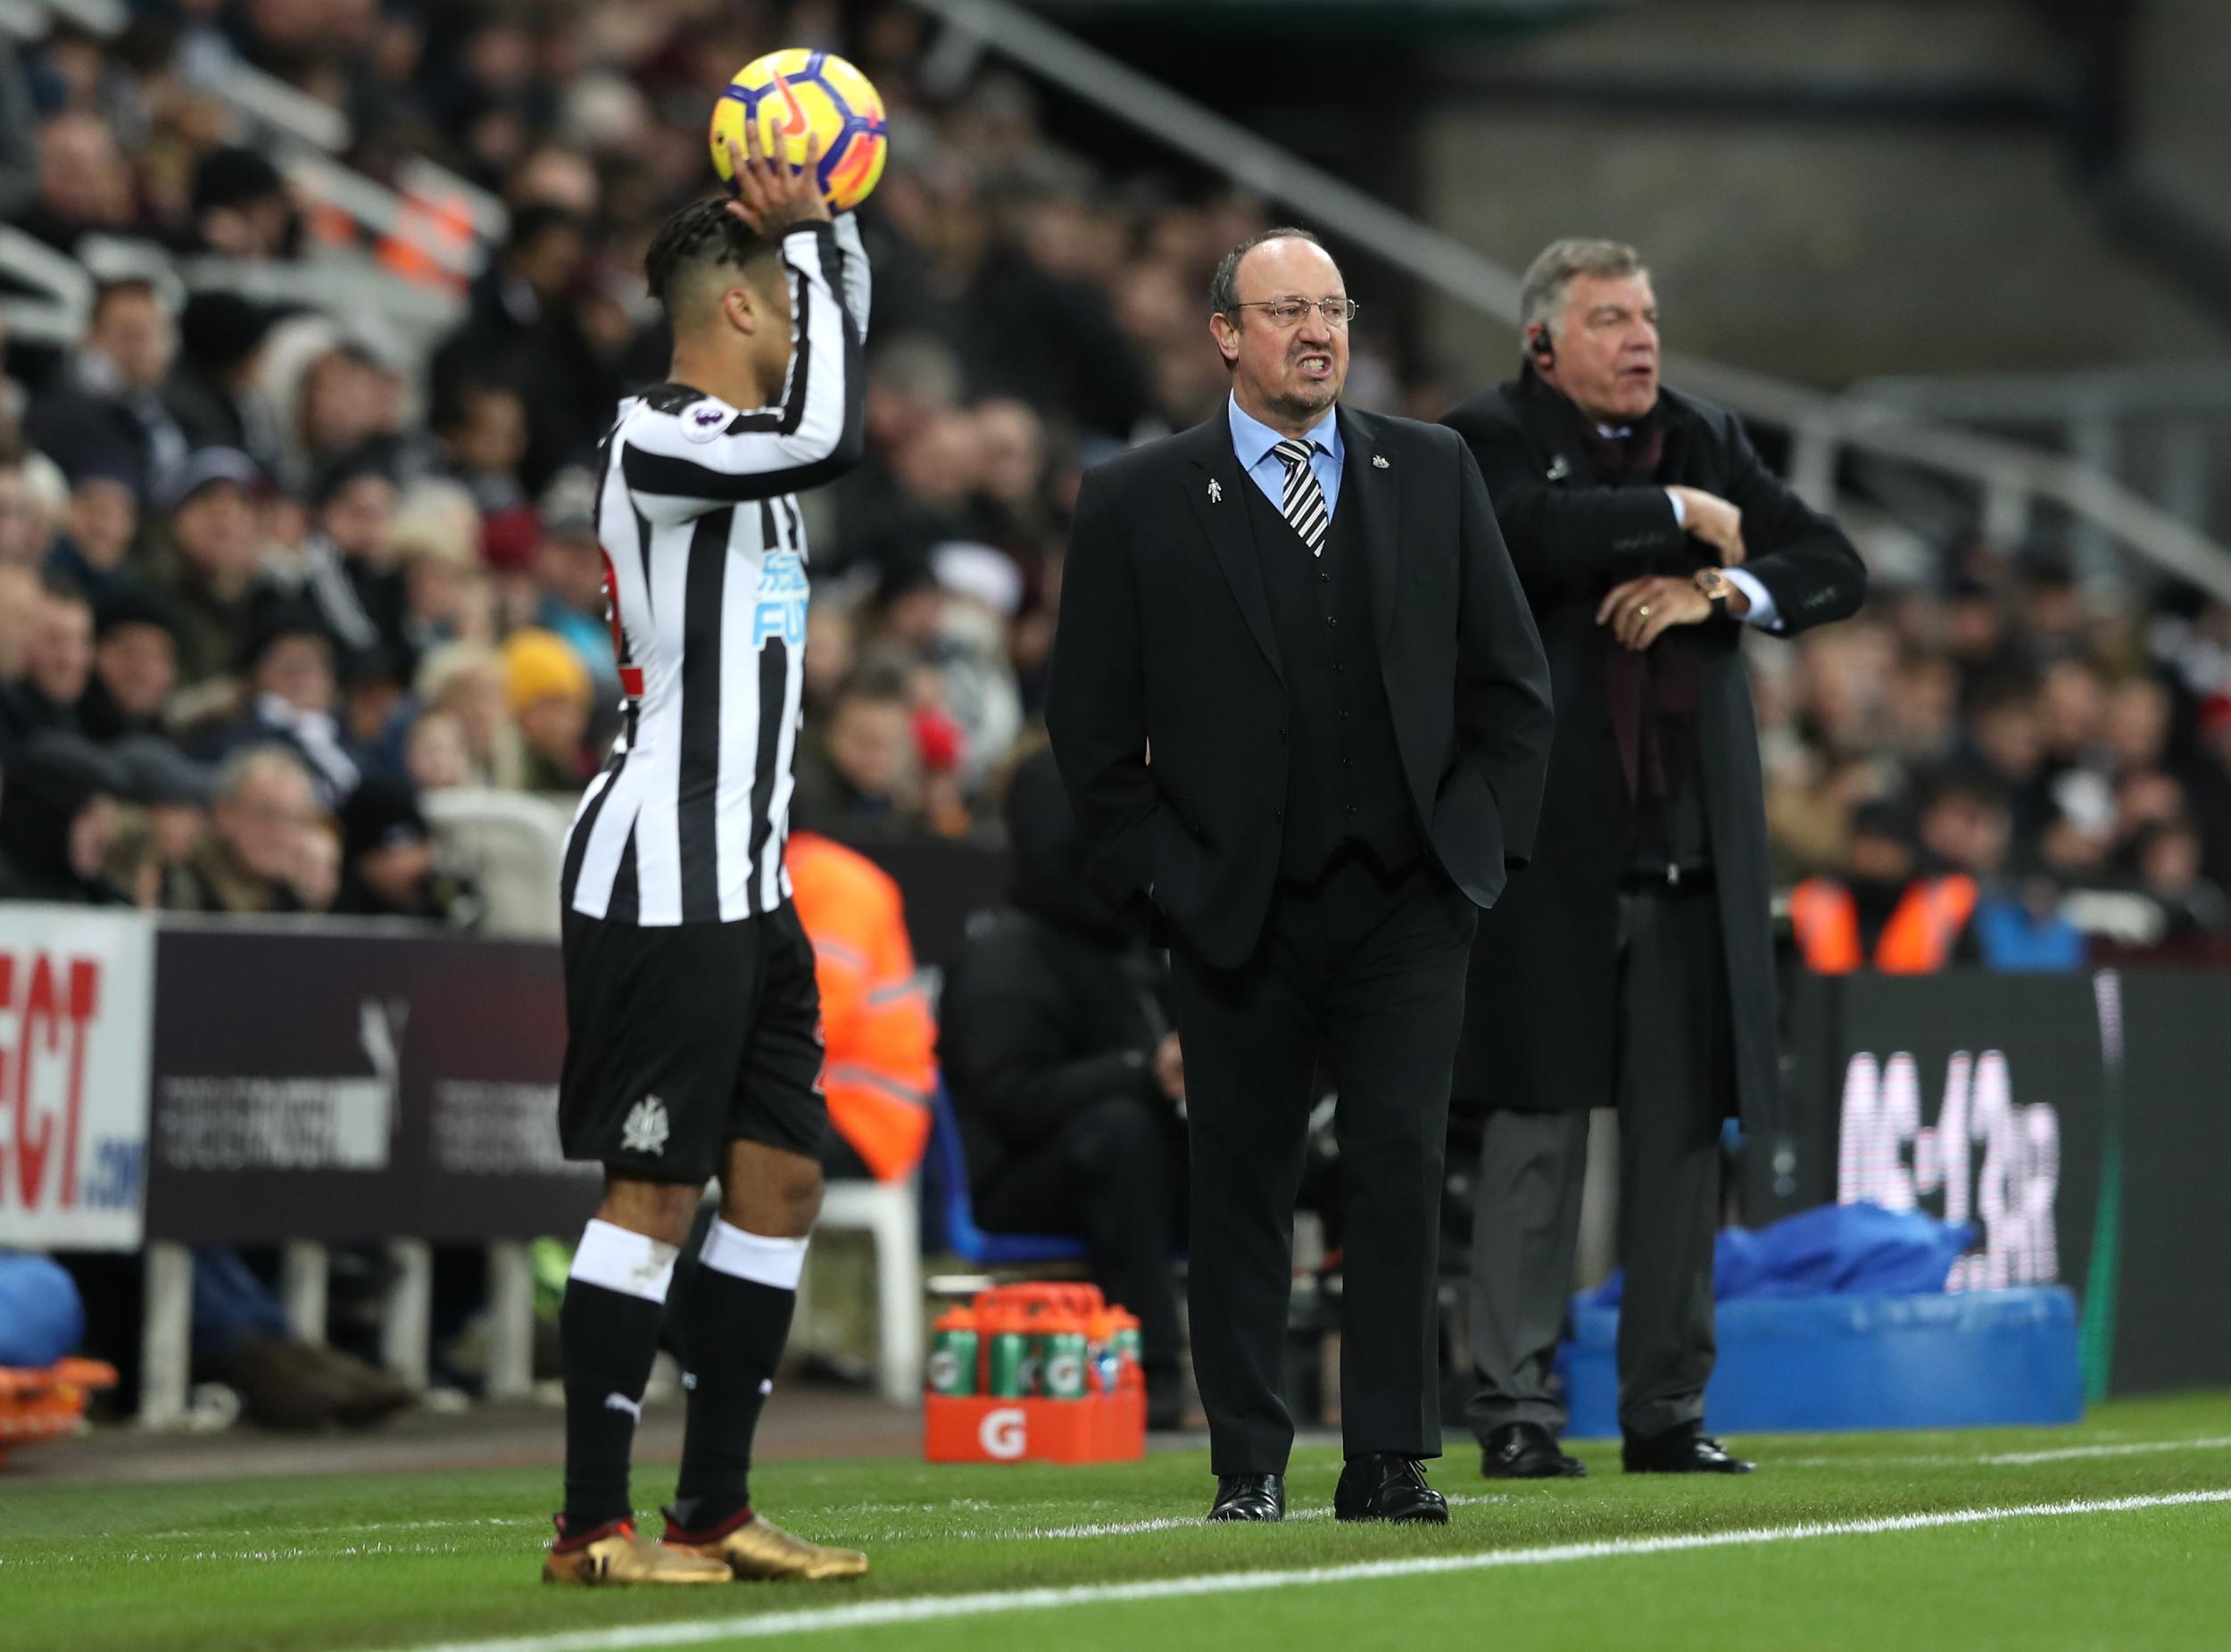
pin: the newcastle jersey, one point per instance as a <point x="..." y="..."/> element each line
<point x="705" y="573"/>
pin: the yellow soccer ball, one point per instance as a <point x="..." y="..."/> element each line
<point x="796" y="92"/>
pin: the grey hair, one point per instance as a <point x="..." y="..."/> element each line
<point x="244" y="765"/>
<point x="1223" y="286"/>
<point x="1541" y="300"/>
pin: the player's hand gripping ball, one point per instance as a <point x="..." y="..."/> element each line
<point x="797" y="93"/>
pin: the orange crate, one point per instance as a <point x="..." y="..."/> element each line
<point x="981" y="1428"/>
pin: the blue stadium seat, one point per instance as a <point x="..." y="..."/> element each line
<point x="947" y="1167"/>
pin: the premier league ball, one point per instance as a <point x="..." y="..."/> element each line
<point x="796" y="92"/>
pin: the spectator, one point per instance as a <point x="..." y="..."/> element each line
<point x="163" y="830"/>
<point x="1066" y="1075"/>
<point x="1879" y="913"/>
<point x="109" y="409"/>
<point x="514" y="300"/>
<point x="1964" y="828"/>
<point x="860" y="774"/>
<point x="2168" y="857"/>
<point x="376" y="702"/>
<point x="433" y="539"/>
<point x="19" y="600"/>
<point x="57" y="815"/>
<point x="547" y="687"/>
<point x="242" y="208"/>
<point x="241" y="1338"/>
<point x="2019" y="929"/>
<point x="212" y="391"/>
<point x="465" y="680"/>
<point x="103" y="520"/>
<point x="85" y="184"/>
<point x="135" y="668"/>
<point x="435" y="754"/>
<point x="482" y="434"/>
<point x="880" y="1041"/>
<point x="569" y="569"/>
<point x="253" y="861"/>
<point x="26" y="526"/>
<point x="388" y="868"/>
<point x="984" y="591"/>
<point x="57" y="663"/>
<point x="294" y="693"/>
<point x="349" y="563"/>
<point x="317" y="865"/>
<point x="209" y="572"/>
<point x="2007" y="740"/>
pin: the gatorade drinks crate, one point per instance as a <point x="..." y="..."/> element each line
<point x="1035" y="1373"/>
<point x="47" y="1404"/>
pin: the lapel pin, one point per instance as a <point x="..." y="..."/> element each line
<point x="1560" y="467"/>
<point x="1216" y="491"/>
<point x="1378" y="460"/>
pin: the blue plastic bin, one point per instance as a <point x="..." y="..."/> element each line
<point x="1806" y="1364"/>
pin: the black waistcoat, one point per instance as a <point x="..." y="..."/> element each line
<point x="1344" y="778"/>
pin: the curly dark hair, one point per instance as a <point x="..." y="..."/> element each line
<point x="702" y="236"/>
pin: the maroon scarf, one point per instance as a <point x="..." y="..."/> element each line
<point x="1654" y="693"/>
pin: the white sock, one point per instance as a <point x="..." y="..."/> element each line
<point x="776" y="1262"/>
<point x="618" y="1259"/>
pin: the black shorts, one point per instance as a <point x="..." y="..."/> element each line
<point x="680" y="1040"/>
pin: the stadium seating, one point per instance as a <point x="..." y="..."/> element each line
<point x="947" y="1167"/>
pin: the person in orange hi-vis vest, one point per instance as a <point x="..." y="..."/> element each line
<point x="880" y="1039"/>
<point x="1879" y="916"/>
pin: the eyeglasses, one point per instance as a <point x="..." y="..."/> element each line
<point x="1289" y="312"/>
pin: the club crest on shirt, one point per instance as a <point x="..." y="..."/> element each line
<point x="644" y="1129"/>
<point x="707" y="419"/>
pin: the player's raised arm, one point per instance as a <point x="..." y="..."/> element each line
<point x="856" y="283"/>
<point x="758" y="290"/>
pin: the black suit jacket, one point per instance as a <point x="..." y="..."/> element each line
<point x="1165" y="647"/>
<point x="1539" y="1031"/>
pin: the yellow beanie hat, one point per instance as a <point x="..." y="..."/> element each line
<point x="541" y="665"/>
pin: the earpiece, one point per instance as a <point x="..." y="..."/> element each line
<point x="1544" y="348"/>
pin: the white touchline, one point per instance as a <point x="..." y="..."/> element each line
<point x="924" y="1609"/>
<point x="2064" y="1453"/>
<point x="2011" y="1459"/>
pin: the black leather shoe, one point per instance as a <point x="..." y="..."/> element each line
<point x="1250" y="1497"/>
<point x="1386" y="1485"/>
<point x="1526" y="1451"/>
<point x="1684" y="1450"/>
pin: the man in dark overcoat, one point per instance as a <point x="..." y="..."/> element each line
<point x="1631" y="965"/>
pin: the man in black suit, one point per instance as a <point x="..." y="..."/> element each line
<point x="1632" y="966"/>
<point x="1301" y="707"/>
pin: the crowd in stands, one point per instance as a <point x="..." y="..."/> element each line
<point x="289" y="578"/>
<point x="266" y="577"/>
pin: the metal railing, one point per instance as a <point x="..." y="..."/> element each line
<point x="307" y="134"/>
<point x="2013" y="479"/>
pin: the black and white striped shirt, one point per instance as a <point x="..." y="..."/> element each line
<point x="705" y="572"/>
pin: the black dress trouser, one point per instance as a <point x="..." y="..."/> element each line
<point x="1674" y="1085"/>
<point x="1361" y="971"/>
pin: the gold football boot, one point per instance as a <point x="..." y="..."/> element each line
<point x="619" y="1554"/>
<point x="754" y="1547"/>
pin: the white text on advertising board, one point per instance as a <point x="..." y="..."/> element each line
<point x="1994" y="1161"/>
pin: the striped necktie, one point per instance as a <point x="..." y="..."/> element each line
<point x="1304" y="507"/>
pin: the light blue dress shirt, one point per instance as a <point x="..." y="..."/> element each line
<point x="1252" y="440"/>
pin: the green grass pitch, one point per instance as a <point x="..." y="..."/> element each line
<point x="409" y="1561"/>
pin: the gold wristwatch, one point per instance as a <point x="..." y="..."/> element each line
<point x="1716" y="587"/>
